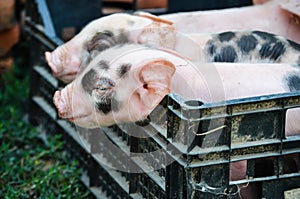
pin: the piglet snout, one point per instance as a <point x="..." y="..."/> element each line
<point x="65" y="62"/>
<point x="51" y="63"/>
<point x="61" y="105"/>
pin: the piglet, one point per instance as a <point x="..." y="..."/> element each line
<point x="125" y="83"/>
<point x="67" y="60"/>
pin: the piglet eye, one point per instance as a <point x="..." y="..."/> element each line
<point x="102" y="92"/>
<point x="98" y="87"/>
<point x="102" y="95"/>
<point x="103" y="88"/>
<point x="104" y="83"/>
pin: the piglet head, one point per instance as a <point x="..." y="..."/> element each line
<point x="115" y="89"/>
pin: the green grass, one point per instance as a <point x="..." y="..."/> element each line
<point x="29" y="168"/>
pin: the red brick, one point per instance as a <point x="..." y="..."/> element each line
<point x="7" y="14"/>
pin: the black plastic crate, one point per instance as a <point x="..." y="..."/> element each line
<point x="77" y="151"/>
<point x="43" y="85"/>
<point x="147" y="187"/>
<point x="110" y="180"/>
<point x="261" y="116"/>
<point x="43" y="115"/>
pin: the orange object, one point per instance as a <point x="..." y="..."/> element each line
<point x="8" y="39"/>
<point x="260" y="1"/>
<point x="143" y="4"/>
<point x="147" y="4"/>
<point x="153" y="17"/>
<point x="7" y="14"/>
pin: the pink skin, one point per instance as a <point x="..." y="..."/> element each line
<point x="67" y="60"/>
<point x="75" y="103"/>
<point x="65" y="66"/>
<point x="278" y="17"/>
<point x="155" y="73"/>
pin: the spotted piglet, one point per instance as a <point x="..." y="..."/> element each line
<point x="68" y="59"/>
<point x="126" y="82"/>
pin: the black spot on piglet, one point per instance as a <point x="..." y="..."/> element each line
<point x="295" y="45"/>
<point x="124" y="68"/>
<point x="101" y="41"/>
<point x="104" y="40"/>
<point x="108" y="105"/>
<point x="101" y="89"/>
<point x="144" y="122"/>
<point x="227" y="54"/>
<point x="266" y="36"/>
<point x="211" y="49"/>
<point x="103" y="107"/>
<point x="89" y="80"/>
<point x="226" y="36"/>
<point x="103" y="65"/>
<point x="272" y="51"/>
<point x="247" y="43"/>
<point x="293" y="82"/>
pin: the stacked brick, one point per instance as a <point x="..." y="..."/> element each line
<point x="9" y="30"/>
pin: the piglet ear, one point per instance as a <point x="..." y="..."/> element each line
<point x="156" y="77"/>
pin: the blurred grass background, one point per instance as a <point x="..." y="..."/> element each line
<point x="28" y="167"/>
